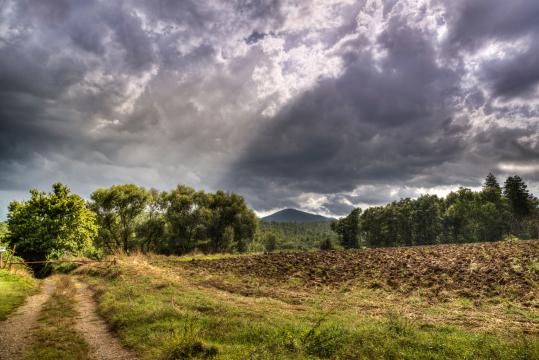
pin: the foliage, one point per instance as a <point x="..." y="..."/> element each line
<point x="326" y="244"/>
<point x="174" y="222"/>
<point x="117" y="209"/>
<point x="348" y="229"/>
<point x="462" y="216"/>
<point x="219" y="222"/>
<point x="518" y="196"/>
<point x="277" y="236"/>
<point x="50" y="225"/>
<point x="3" y="231"/>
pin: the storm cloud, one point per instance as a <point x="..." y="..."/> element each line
<point x="318" y="105"/>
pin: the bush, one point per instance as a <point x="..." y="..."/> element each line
<point x="327" y="245"/>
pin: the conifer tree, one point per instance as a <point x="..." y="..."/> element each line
<point x="491" y="182"/>
<point x="516" y="192"/>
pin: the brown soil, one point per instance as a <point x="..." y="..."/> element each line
<point x="504" y="269"/>
<point x="103" y="345"/>
<point x="15" y="331"/>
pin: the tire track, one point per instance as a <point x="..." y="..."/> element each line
<point x="16" y="330"/>
<point x="103" y="345"/>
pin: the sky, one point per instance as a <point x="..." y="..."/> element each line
<point x="317" y="105"/>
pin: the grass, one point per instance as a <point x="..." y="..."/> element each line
<point x="55" y="336"/>
<point x="167" y="312"/>
<point x="14" y="288"/>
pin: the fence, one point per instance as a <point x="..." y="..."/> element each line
<point x="8" y="259"/>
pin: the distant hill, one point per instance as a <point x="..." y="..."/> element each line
<point x="296" y="216"/>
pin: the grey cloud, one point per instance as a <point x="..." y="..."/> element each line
<point x="94" y="93"/>
<point x="474" y="22"/>
<point x="367" y="125"/>
<point x="516" y="76"/>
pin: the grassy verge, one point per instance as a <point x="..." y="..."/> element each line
<point x="14" y="288"/>
<point x="55" y="337"/>
<point x="174" y="314"/>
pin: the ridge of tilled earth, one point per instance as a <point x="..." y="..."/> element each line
<point x="506" y="269"/>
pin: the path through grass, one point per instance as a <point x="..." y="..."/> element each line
<point x="55" y="337"/>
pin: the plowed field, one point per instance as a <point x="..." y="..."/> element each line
<point x="505" y="269"/>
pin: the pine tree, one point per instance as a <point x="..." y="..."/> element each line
<point x="516" y="192"/>
<point x="491" y="182"/>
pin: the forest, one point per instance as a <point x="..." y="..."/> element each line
<point x="463" y="216"/>
<point x="183" y="220"/>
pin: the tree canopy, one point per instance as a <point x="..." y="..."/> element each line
<point x="462" y="216"/>
<point x="51" y="224"/>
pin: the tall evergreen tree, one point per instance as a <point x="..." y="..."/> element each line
<point x="491" y="182"/>
<point x="516" y="192"/>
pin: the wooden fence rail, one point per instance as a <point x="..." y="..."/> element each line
<point x="63" y="261"/>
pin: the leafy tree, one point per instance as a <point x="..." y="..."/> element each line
<point x="213" y="222"/>
<point x="187" y="217"/>
<point x="151" y="229"/>
<point x="230" y="210"/>
<point x="51" y="224"/>
<point x="118" y="209"/>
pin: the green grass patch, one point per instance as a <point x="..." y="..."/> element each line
<point x="13" y="290"/>
<point x="55" y="336"/>
<point x="167" y="317"/>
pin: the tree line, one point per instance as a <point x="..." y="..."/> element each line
<point x="129" y="217"/>
<point x="491" y="214"/>
<point x="292" y="236"/>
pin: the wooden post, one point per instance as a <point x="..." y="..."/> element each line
<point x="11" y="257"/>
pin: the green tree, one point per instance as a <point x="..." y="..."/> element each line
<point x="51" y="224"/>
<point x="188" y="217"/>
<point x="520" y="200"/>
<point x="118" y="210"/>
<point x="348" y="229"/>
<point x="230" y="210"/>
<point x="491" y="182"/>
<point x="151" y="228"/>
<point x="426" y="220"/>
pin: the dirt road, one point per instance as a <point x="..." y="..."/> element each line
<point x="16" y="330"/>
<point x="103" y="346"/>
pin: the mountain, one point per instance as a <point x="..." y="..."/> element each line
<point x="296" y="216"/>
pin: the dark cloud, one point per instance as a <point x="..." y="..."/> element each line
<point x="517" y="76"/>
<point x="255" y="37"/>
<point x="385" y="121"/>
<point x="318" y="105"/>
